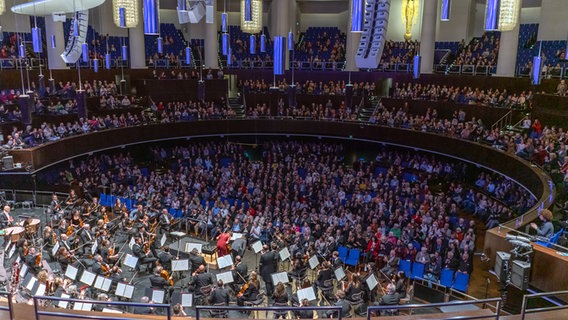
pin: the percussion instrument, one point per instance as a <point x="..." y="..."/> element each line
<point x="33" y="227"/>
<point x="15" y="233"/>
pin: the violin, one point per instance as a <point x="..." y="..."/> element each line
<point x="38" y="260"/>
<point x="164" y="274"/>
<point x="70" y="230"/>
<point x="54" y="237"/>
<point x="244" y="288"/>
<point x="105" y="268"/>
<point x="105" y="218"/>
<point x="26" y="250"/>
<point x="69" y="256"/>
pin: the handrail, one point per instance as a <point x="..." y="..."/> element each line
<point x="39" y="312"/>
<point x="526" y="297"/>
<point x="288" y="308"/>
<point x="498" y="301"/>
<point x="502" y="122"/>
<point x="10" y="305"/>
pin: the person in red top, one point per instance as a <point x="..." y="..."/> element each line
<point x="223" y="243"/>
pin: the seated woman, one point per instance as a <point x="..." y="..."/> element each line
<point x="299" y="268"/>
<point x="546" y="230"/>
<point x="353" y="292"/>
<point x="400" y="281"/>
<point x="252" y="290"/>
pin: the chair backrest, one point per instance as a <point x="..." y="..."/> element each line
<point x="447" y="277"/>
<point x="342" y="253"/>
<point x="417" y="270"/>
<point x="328" y="283"/>
<point x="405" y="265"/>
<point x="356" y="297"/>
<point x="205" y="290"/>
<point x="461" y="282"/>
<point x="353" y="258"/>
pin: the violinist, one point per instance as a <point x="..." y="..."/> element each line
<point x="71" y="199"/>
<point x="299" y="268"/>
<point x="109" y="255"/>
<point x="200" y="278"/>
<point x="76" y="220"/>
<point x="162" y="280"/>
<point x="64" y="257"/>
<point x="23" y="246"/>
<point x="219" y="295"/>
<point x="240" y="273"/>
<point x="86" y="237"/>
<point x="280" y="296"/>
<point x="324" y="274"/>
<point x="165" y="258"/>
<point x="249" y="291"/>
<point x="354" y="290"/>
<point x="33" y="260"/>
<point x="55" y="207"/>
<point x="166" y="220"/>
<point x="144" y="256"/>
<point x="49" y="239"/>
<point x="103" y="269"/>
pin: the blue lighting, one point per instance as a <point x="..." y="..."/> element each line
<point x="124" y="53"/>
<point x="252" y="44"/>
<point x="22" y="51"/>
<point x="278" y="55"/>
<point x="262" y="43"/>
<point x="85" y="51"/>
<point x="160" y="45"/>
<point x="492" y="15"/>
<point x="182" y="5"/>
<point x="445" y="12"/>
<point x="107" y="61"/>
<point x="290" y="41"/>
<point x="248" y="10"/>
<point x="53" y="43"/>
<point x="229" y="57"/>
<point x="225" y="43"/>
<point x="122" y="17"/>
<point x="537" y="67"/>
<point x="36" y="40"/>
<point x="75" y="27"/>
<point x="151" y="17"/>
<point x="357" y="13"/>
<point x="416" y="67"/>
<point x="188" y="55"/>
<point x="96" y="65"/>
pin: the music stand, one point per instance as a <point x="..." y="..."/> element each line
<point x="185" y="299"/>
<point x="306" y="293"/>
<point x="124" y="290"/>
<point x="155" y="295"/>
<point x="227" y="277"/>
<point x="180" y="265"/>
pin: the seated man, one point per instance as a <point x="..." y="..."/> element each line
<point x="391" y="298"/>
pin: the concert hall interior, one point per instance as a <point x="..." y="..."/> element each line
<point x="295" y="159"/>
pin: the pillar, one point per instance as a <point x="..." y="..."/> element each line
<point x="211" y="42"/>
<point x="136" y="43"/>
<point x="508" y="45"/>
<point x="54" y="54"/>
<point x="25" y="105"/>
<point x="352" y="43"/>
<point x="428" y="35"/>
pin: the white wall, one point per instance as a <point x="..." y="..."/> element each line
<point x="479" y="25"/>
<point x="459" y="26"/>
<point x="339" y="20"/>
<point x="530" y="15"/>
<point x="396" y="27"/>
<point x="101" y="19"/>
<point x="9" y="21"/>
<point x="553" y="21"/>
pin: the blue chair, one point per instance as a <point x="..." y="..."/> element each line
<point x="405" y="265"/>
<point x="342" y="253"/>
<point x="417" y="270"/>
<point x="353" y="257"/>
<point x="447" y="277"/>
<point x="461" y="282"/>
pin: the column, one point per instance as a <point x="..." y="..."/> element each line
<point x="352" y="43"/>
<point x="428" y="36"/>
<point x="211" y="42"/>
<point x="280" y="14"/>
<point x="508" y="45"/>
<point x="136" y="43"/>
<point x="54" y="54"/>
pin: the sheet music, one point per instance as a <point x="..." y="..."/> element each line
<point x="227" y="277"/>
<point x="284" y="254"/>
<point x="130" y="261"/>
<point x="189" y="247"/>
<point x="158" y="296"/>
<point x="225" y="261"/>
<point x="236" y="236"/>
<point x="124" y="290"/>
<point x="313" y="261"/>
<point x="257" y="246"/>
<point x="71" y="272"/>
<point x="339" y="273"/>
<point x="31" y="283"/>
<point x="180" y="265"/>
<point x="12" y="251"/>
<point x="177" y="234"/>
<point x="187" y="300"/>
<point x="23" y="270"/>
<point x="280" y="277"/>
<point x="94" y="247"/>
<point x="306" y="293"/>
<point x="372" y="281"/>
<point x="64" y="304"/>
<point x="108" y="310"/>
<point x="40" y="290"/>
<point x="103" y="283"/>
<point x="88" y="278"/>
<point x="83" y="306"/>
<point x="163" y="240"/>
<point x="55" y="249"/>
<point x="131" y="243"/>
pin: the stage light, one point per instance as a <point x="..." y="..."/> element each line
<point x="357" y="15"/>
<point x="278" y="55"/>
<point x="151" y="17"/>
<point x="501" y="15"/>
<point x="446" y="8"/>
<point x="254" y="25"/>
<point x="130" y="13"/>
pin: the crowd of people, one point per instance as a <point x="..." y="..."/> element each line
<point x="399" y="52"/>
<point x="480" y="52"/>
<point x="331" y="87"/>
<point x="466" y="95"/>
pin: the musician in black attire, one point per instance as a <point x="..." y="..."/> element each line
<point x="324" y="274"/>
<point x="200" y="278"/>
<point x="219" y="295"/>
<point x="165" y="221"/>
<point x="144" y="256"/>
<point x="240" y="273"/>
<point x="268" y="265"/>
<point x="196" y="260"/>
<point x="341" y="302"/>
<point x="251" y="292"/>
<point x="157" y="281"/>
<point x="165" y="258"/>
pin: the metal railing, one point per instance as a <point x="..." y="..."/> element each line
<point x="107" y="316"/>
<point x="526" y="297"/>
<point x="503" y="121"/>
<point x="465" y="69"/>
<point x="7" y="308"/>
<point x="199" y="309"/>
<point x="395" y="308"/>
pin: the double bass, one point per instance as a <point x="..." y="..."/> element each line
<point x="164" y="274"/>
